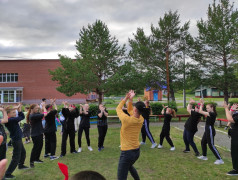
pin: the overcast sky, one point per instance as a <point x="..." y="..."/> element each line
<point x="41" y="29"/>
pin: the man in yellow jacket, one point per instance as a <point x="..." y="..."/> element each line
<point x="129" y="136"/>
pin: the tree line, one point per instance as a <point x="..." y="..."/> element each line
<point x="104" y="66"/>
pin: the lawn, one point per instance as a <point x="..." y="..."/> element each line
<point x="153" y="164"/>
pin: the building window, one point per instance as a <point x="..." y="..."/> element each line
<point x="8" y="77"/>
<point x="10" y="96"/>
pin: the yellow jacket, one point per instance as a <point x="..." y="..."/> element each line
<point x="130" y="129"/>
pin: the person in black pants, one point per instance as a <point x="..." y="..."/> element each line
<point x="34" y="117"/>
<point x="190" y="127"/>
<point x="209" y="134"/>
<point x="232" y="116"/>
<point x="145" y="130"/>
<point x="168" y="114"/>
<point x="84" y="126"/>
<point x="69" y="113"/>
<point x="50" y="130"/>
<point x="19" y="152"/>
<point x="102" y="126"/>
<point x="3" y="146"/>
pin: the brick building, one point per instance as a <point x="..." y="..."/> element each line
<point x="28" y="81"/>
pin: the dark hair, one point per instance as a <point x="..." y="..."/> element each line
<point x="140" y="106"/>
<point x="87" y="175"/>
<point x="43" y="99"/>
<point x="48" y="106"/>
<point x="214" y="108"/>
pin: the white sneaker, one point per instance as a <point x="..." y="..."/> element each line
<point x="90" y="148"/>
<point x="219" y="161"/>
<point x="153" y="145"/>
<point x="172" y="148"/>
<point x="142" y="143"/>
<point x="160" y="146"/>
<point x="79" y="150"/>
<point x="203" y="158"/>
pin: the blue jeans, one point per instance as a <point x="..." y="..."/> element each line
<point x="127" y="159"/>
<point x="188" y="139"/>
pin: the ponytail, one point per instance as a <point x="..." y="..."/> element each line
<point x="32" y="106"/>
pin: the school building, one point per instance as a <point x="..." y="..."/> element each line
<point x="28" y="81"/>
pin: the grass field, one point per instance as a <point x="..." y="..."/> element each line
<point x="153" y="164"/>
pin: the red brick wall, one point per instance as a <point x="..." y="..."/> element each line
<point x="34" y="77"/>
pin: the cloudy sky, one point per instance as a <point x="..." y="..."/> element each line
<point x="41" y="29"/>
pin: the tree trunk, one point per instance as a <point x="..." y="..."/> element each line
<point x="172" y="94"/>
<point x="100" y="96"/>
<point x="226" y="96"/>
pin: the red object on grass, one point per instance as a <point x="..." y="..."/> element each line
<point x="64" y="170"/>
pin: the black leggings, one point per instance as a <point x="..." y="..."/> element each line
<point x="208" y="138"/>
<point x="165" y="134"/>
<point x="50" y="143"/>
<point x="80" y="132"/>
<point x="145" y="131"/>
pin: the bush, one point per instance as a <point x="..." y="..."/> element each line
<point x="233" y="101"/>
<point x="173" y="105"/>
<point x="156" y="108"/>
<point x="94" y="109"/>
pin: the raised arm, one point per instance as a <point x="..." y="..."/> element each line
<point x="190" y="106"/>
<point x="201" y="110"/>
<point x="228" y="114"/>
<point x="130" y="103"/>
<point x="55" y="106"/>
<point x="122" y="116"/>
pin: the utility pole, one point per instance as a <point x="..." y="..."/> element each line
<point x="184" y="81"/>
<point x="167" y="70"/>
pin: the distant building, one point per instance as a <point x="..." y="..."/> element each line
<point x="28" y="81"/>
<point x="212" y="92"/>
<point x="153" y="94"/>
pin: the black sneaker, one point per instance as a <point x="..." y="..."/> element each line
<point x="32" y="164"/>
<point x="38" y="161"/>
<point x="197" y="154"/>
<point x="74" y="152"/>
<point x="22" y="167"/>
<point x="46" y="155"/>
<point x="9" y="176"/>
<point x="232" y="173"/>
<point x="186" y="151"/>
<point x="62" y="155"/>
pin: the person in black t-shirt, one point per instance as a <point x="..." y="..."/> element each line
<point x="84" y="126"/>
<point x="232" y="117"/>
<point x="3" y="146"/>
<point x="209" y="134"/>
<point x="34" y="117"/>
<point x="145" y="130"/>
<point x="50" y="130"/>
<point x="102" y="126"/>
<point x="190" y="127"/>
<point x="168" y="114"/>
<point x="70" y="112"/>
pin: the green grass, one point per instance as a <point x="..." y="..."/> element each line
<point x="153" y="164"/>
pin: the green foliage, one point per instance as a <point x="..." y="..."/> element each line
<point x="101" y="65"/>
<point x="233" y="101"/>
<point x="148" y="51"/>
<point x="156" y="108"/>
<point x="93" y="108"/>
<point x="213" y="46"/>
<point x="173" y="105"/>
<point x="109" y="101"/>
